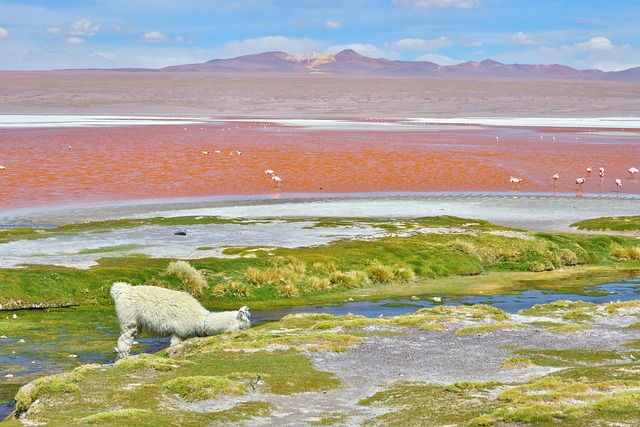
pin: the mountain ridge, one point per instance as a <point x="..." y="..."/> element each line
<point x="350" y="62"/>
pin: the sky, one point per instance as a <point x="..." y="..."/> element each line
<point x="60" y="34"/>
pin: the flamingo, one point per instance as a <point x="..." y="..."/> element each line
<point x="601" y="174"/>
<point x="515" y="181"/>
<point x="580" y="181"/>
<point x="589" y="169"/>
<point x="269" y="172"/>
<point x="205" y="152"/>
<point x="555" y="177"/>
<point x="618" y="184"/>
<point x="601" y="169"/>
<point x="277" y="179"/>
<point x="633" y="170"/>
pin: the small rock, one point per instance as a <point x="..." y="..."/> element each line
<point x="414" y="298"/>
<point x="22" y="340"/>
<point x="437" y="299"/>
<point x="181" y="233"/>
<point x="3" y="337"/>
<point x="9" y="376"/>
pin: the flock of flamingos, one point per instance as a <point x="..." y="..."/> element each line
<point x="515" y="181"/>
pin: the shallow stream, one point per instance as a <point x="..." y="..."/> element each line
<point x="41" y="342"/>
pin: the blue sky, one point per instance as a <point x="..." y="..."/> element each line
<point x="51" y="34"/>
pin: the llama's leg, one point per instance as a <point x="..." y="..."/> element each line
<point x="125" y="342"/>
<point x="175" y="340"/>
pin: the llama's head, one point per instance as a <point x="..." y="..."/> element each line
<point x="244" y="317"/>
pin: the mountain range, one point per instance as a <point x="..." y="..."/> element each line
<point x="349" y="62"/>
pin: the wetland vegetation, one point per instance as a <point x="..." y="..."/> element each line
<point x="232" y="378"/>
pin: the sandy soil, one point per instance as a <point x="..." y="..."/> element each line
<point x="291" y="96"/>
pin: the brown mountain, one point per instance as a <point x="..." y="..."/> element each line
<point x="352" y="63"/>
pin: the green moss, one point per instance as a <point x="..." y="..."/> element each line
<point x="54" y="384"/>
<point x="570" y="357"/>
<point x="517" y="363"/>
<point x="149" y="361"/>
<point x="486" y="329"/>
<point x="119" y="416"/>
<point x="568" y="328"/>
<point x="108" y="249"/>
<point x="416" y="404"/>
<point x="196" y="388"/>
<point x="329" y="420"/>
<point x="623" y="223"/>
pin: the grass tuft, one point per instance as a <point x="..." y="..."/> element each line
<point x="193" y="280"/>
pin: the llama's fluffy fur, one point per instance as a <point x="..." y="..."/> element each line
<point x="167" y="313"/>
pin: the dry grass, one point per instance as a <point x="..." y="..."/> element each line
<point x="193" y="280"/>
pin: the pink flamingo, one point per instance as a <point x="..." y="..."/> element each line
<point x="277" y="180"/>
<point x="580" y="181"/>
<point x="589" y="169"/>
<point x="555" y="177"/>
<point x="633" y="170"/>
<point x="269" y="172"/>
<point x="618" y="184"/>
<point x="515" y="181"/>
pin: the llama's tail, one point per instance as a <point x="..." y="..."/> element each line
<point x="118" y="289"/>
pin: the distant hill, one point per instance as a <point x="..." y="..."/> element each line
<point x="349" y="62"/>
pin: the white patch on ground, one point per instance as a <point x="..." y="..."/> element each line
<point x="85" y="249"/>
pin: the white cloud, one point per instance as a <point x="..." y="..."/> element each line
<point x="595" y="44"/>
<point x="179" y="39"/>
<point x="270" y="43"/>
<point x="104" y="55"/>
<point x="154" y="37"/>
<point x="422" y="44"/>
<point x="84" y="27"/>
<point x="440" y="4"/>
<point x="438" y="59"/>
<point x="332" y="25"/>
<point x="521" y="38"/>
<point x="54" y="30"/>
<point x="75" y="40"/>
<point x="596" y="53"/>
<point x="4" y="33"/>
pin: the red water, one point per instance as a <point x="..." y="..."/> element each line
<point x="56" y="166"/>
